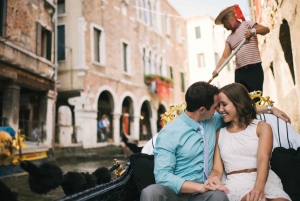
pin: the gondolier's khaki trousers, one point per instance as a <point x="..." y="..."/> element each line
<point x="157" y="192"/>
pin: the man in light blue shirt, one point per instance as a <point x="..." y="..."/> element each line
<point x="179" y="150"/>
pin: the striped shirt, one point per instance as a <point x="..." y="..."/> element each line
<point x="249" y="53"/>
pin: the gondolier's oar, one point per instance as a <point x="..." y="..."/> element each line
<point x="228" y="58"/>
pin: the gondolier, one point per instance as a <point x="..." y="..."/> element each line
<point x="248" y="70"/>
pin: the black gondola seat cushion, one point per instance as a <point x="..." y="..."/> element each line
<point x="286" y="164"/>
<point x="143" y="167"/>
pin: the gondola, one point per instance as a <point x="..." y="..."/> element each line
<point x="122" y="188"/>
<point x="138" y="172"/>
<point x="10" y="152"/>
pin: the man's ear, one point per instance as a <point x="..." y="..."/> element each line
<point x="202" y="110"/>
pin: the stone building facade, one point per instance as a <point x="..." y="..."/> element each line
<point x="280" y="53"/>
<point x="206" y="43"/>
<point x="27" y="87"/>
<point x="116" y="59"/>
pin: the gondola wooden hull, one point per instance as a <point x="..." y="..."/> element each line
<point x="122" y="188"/>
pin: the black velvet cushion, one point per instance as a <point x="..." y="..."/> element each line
<point x="286" y="164"/>
<point x="143" y="166"/>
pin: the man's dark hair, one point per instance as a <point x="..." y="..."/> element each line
<point x="239" y="96"/>
<point x="200" y="94"/>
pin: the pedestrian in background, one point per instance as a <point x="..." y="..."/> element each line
<point x="103" y="128"/>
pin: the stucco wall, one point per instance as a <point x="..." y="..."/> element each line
<point x="280" y="86"/>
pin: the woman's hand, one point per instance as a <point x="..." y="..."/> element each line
<point x="213" y="183"/>
<point x="280" y="114"/>
<point x="256" y="195"/>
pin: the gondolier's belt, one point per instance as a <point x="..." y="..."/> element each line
<point x="243" y="171"/>
<point x="257" y="65"/>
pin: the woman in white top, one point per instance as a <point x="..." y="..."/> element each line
<point x="243" y="148"/>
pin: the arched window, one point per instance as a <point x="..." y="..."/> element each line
<point x="154" y="15"/>
<point x="150" y="14"/>
<point x="144" y="60"/>
<point x="149" y="63"/>
<point x="161" y="66"/>
<point x="139" y="9"/>
<point x="145" y="10"/>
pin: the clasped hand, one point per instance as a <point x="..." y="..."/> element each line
<point x="213" y="183"/>
<point x="248" y="34"/>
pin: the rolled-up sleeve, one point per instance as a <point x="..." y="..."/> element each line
<point x="251" y="23"/>
<point x="165" y="162"/>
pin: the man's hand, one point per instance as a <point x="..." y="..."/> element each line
<point x="215" y="73"/>
<point x="249" y="34"/>
<point x="213" y="183"/>
<point x="280" y="114"/>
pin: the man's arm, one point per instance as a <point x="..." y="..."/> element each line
<point x="258" y="29"/>
<point x="261" y="30"/>
<point x="226" y="53"/>
<point x="165" y="162"/>
<point x="192" y="187"/>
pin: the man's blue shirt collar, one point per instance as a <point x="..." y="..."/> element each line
<point x="191" y="122"/>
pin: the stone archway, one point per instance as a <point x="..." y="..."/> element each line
<point x="105" y="110"/>
<point x="145" y="123"/>
<point x="126" y="120"/>
<point x="160" y="112"/>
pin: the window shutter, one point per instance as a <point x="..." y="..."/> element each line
<point x="182" y="82"/>
<point x="61" y="42"/>
<point x="38" y="49"/>
<point x="49" y="45"/>
<point x="2" y="17"/>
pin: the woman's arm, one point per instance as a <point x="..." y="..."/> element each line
<point x="214" y="180"/>
<point x="218" y="164"/>
<point x="277" y="112"/>
<point x="265" y="144"/>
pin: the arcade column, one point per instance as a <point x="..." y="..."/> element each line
<point x="116" y="128"/>
<point x="11" y="104"/>
<point x="46" y="114"/>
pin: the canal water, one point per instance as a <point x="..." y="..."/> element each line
<point x="20" y="184"/>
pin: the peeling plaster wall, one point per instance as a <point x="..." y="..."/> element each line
<point x="281" y="87"/>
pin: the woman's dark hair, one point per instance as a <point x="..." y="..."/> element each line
<point x="200" y="94"/>
<point x="239" y="96"/>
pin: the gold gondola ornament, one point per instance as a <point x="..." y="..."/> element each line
<point x="176" y="110"/>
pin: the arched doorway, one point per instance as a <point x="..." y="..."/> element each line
<point x="160" y="112"/>
<point x="126" y="119"/>
<point x="145" y="124"/>
<point x="29" y="122"/>
<point x="104" y="119"/>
